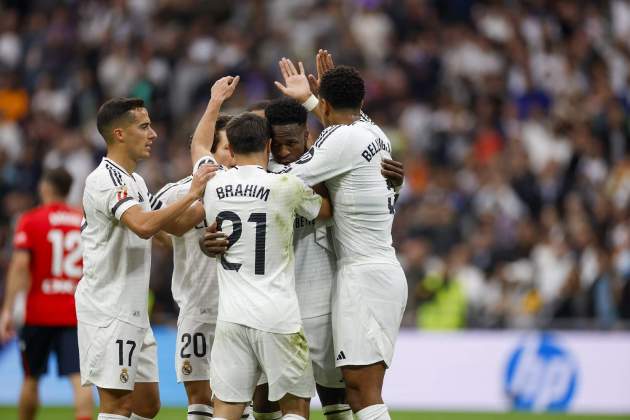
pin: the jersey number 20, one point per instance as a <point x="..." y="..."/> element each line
<point x="260" y="219"/>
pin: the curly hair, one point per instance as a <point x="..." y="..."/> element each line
<point x="285" y="111"/>
<point x="342" y="87"/>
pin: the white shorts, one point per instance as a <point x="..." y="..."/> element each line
<point x="318" y="331"/>
<point x="192" y="349"/>
<point x="240" y="354"/>
<point x="367" y="308"/>
<point x="117" y="356"/>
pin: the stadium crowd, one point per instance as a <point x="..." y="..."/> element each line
<point x="512" y="119"/>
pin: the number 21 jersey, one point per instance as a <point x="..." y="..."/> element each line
<point x="256" y="275"/>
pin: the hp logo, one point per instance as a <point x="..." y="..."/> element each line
<point x="541" y="375"/>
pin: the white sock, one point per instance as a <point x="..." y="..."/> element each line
<point x="292" y="417"/>
<point x="373" y="412"/>
<point x="105" y="416"/>
<point x="276" y="415"/>
<point x="137" y="417"/>
<point x="199" y="412"/>
<point x="219" y="418"/>
<point x="337" y="412"/>
<point x="247" y="413"/>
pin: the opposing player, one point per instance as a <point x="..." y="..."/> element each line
<point x="194" y="283"/>
<point x="47" y="263"/>
<point x="116" y="345"/>
<point x="259" y="329"/>
<point x="371" y="290"/>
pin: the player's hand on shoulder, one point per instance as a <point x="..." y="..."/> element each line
<point x="296" y="84"/>
<point x="213" y="242"/>
<point x="7" y="330"/>
<point x="223" y="88"/>
<point x="393" y="171"/>
<point x="201" y="178"/>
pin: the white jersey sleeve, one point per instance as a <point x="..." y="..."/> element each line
<point x="204" y="160"/>
<point x="348" y="159"/>
<point x="309" y="203"/>
<point x="323" y="160"/>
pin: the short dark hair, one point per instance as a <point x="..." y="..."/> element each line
<point x="60" y="179"/>
<point x="285" y="111"/>
<point x="222" y="122"/>
<point x="248" y="133"/>
<point x="342" y="87"/>
<point x="260" y="105"/>
<point x="112" y="110"/>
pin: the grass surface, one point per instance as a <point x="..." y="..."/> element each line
<point x="169" y="413"/>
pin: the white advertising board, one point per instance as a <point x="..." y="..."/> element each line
<point x="505" y="370"/>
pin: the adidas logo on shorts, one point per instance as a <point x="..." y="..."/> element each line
<point x="341" y="356"/>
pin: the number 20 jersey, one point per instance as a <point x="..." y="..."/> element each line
<point x="256" y="275"/>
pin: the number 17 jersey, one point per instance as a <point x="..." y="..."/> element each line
<point x="256" y="275"/>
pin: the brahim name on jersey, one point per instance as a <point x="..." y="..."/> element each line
<point x="238" y="190"/>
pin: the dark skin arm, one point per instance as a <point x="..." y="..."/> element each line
<point x="394" y="171"/>
<point x="213" y="242"/>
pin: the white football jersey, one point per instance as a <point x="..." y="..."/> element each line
<point x="315" y="265"/>
<point x="256" y="275"/>
<point x="116" y="262"/>
<point x="348" y="158"/>
<point x="194" y="284"/>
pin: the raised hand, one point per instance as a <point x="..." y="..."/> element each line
<point x="223" y="88"/>
<point x="324" y="62"/>
<point x="201" y="178"/>
<point x="296" y="84"/>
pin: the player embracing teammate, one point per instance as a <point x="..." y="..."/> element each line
<point x="370" y="291"/>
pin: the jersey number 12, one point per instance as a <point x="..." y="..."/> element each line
<point x="62" y="263"/>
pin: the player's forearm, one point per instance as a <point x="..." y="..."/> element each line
<point x="326" y="210"/>
<point x="204" y="132"/>
<point x="147" y="224"/>
<point x="188" y="220"/>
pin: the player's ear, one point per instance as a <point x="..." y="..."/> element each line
<point x="117" y="135"/>
<point x="230" y="149"/>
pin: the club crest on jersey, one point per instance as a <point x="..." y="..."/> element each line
<point x="121" y="193"/>
<point x="187" y="368"/>
<point x="124" y="375"/>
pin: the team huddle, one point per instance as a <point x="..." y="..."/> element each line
<point x="284" y="270"/>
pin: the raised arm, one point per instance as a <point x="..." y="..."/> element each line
<point x="145" y="224"/>
<point x="204" y="132"/>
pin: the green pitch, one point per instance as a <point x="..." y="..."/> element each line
<point x="169" y="413"/>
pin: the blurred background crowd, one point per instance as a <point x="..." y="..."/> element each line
<point x="512" y="119"/>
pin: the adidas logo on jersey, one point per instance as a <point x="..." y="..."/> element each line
<point x="341" y="356"/>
